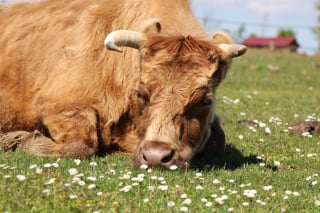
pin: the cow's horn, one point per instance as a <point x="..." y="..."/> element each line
<point x="232" y="50"/>
<point x="116" y="39"/>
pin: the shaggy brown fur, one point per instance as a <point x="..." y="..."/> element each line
<point x="57" y="77"/>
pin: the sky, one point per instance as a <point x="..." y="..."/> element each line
<point x="259" y="17"/>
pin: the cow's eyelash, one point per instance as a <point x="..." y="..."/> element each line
<point x="200" y="94"/>
<point x="207" y="99"/>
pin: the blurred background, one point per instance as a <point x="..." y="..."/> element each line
<point x="262" y="19"/>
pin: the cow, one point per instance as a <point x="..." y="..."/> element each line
<point x="149" y="94"/>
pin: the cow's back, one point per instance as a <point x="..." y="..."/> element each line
<point x="47" y="51"/>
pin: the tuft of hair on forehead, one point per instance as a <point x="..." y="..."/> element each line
<point x="183" y="49"/>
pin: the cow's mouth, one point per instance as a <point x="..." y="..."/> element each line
<point x="159" y="154"/>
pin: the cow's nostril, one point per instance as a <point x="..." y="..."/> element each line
<point x="144" y="158"/>
<point x="168" y="158"/>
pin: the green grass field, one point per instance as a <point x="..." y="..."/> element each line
<point x="266" y="168"/>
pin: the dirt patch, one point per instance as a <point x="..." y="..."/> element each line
<point x="306" y="126"/>
<point x="247" y="123"/>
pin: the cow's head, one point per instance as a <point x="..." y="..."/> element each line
<point x="179" y="76"/>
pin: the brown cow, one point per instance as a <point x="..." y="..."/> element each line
<point x="154" y="100"/>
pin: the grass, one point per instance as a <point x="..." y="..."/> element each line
<point x="261" y="172"/>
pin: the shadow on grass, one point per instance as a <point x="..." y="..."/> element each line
<point x="232" y="160"/>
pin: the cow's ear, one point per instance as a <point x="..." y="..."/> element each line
<point x="151" y="26"/>
<point x="221" y="37"/>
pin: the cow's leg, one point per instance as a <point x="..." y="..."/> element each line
<point x="73" y="133"/>
<point x="11" y="140"/>
<point x="216" y="142"/>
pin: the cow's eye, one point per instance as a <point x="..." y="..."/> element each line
<point x="142" y="92"/>
<point x="213" y="58"/>
<point x="208" y="99"/>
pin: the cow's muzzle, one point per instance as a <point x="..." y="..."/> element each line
<point x="158" y="154"/>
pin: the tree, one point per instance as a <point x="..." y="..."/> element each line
<point x="237" y="34"/>
<point x="241" y="31"/>
<point x="286" y="32"/>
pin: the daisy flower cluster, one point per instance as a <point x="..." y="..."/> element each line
<point x="210" y="193"/>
